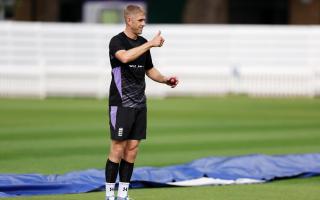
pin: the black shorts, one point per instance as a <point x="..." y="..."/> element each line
<point x="127" y="123"/>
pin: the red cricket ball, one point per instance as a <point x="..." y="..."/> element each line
<point x="173" y="81"/>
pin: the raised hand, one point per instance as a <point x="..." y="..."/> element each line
<point x="158" y="40"/>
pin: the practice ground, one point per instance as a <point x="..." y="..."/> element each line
<point x="61" y="135"/>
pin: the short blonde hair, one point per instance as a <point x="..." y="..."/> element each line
<point x="132" y="10"/>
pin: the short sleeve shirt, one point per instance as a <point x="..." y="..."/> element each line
<point x="127" y="88"/>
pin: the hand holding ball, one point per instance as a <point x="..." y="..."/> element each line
<point x="172" y="81"/>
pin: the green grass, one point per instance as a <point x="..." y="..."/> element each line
<point x="61" y="135"/>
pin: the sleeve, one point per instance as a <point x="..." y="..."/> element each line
<point x="149" y="63"/>
<point x="115" y="45"/>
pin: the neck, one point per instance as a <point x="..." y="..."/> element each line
<point x="130" y="34"/>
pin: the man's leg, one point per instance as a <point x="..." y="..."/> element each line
<point x="112" y="166"/>
<point x="126" y="167"/>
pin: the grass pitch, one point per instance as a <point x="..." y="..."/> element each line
<point x="61" y="135"/>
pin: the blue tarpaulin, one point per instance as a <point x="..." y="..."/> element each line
<point x="205" y="171"/>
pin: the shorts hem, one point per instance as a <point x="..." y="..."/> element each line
<point x="123" y="139"/>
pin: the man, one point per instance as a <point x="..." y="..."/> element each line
<point x="130" y="60"/>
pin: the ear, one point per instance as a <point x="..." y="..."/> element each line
<point x="129" y="19"/>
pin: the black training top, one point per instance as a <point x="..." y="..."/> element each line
<point x="128" y="84"/>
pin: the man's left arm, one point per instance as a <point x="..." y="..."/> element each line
<point x="155" y="75"/>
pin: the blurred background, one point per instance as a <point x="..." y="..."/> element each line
<point x="55" y="75"/>
<point x="166" y="11"/>
<point x="216" y="47"/>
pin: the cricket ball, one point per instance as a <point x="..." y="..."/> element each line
<point x="173" y="81"/>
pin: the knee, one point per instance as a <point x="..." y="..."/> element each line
<point x="131" y="152"/>
<point x="116" y="152"/>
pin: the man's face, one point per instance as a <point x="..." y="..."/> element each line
<point x="137" y="22"/>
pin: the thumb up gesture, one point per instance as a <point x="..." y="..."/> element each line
<point x="158" y="40"/>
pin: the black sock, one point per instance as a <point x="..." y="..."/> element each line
<point x="125" y="171"/>
<point x="111" y="171"/>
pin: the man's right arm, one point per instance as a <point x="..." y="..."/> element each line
<point x="126" y="56"/>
